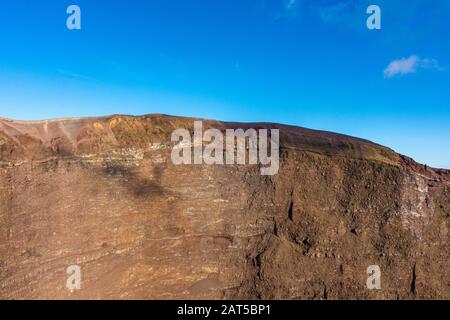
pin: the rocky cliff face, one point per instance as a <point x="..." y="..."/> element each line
<point x="103" y="194"/>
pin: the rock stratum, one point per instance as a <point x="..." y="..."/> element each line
<point x="103" y="194"/>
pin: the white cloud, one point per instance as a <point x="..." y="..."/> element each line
<point x="290" y="4"/>
<point x="71" y="74"/>
<point x="288" y="9"/>
<point x="409" y="65"/>
<point x="339" y="12"/>
<point x="402" y="66"/>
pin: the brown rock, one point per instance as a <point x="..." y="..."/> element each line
<point x="103" y="194"/>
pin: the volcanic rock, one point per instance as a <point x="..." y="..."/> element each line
<point x="102" y="194"/>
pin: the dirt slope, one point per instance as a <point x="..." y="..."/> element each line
<point x="102" y="193"/>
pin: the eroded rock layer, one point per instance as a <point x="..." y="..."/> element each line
<point x="103" y="194"/>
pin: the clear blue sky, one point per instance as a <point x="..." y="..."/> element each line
<point x="311" y="63"/>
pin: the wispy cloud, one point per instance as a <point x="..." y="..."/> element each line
<point x="409" y="65"/>
<point x="287" y="9"/>
<point x="337" y="12"/>
<point x="71" y="74"/>
<point x="290" y="4"/>
<point x="347" y="13"/>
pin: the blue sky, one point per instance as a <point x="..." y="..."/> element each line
<point x="311" y="63"/>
